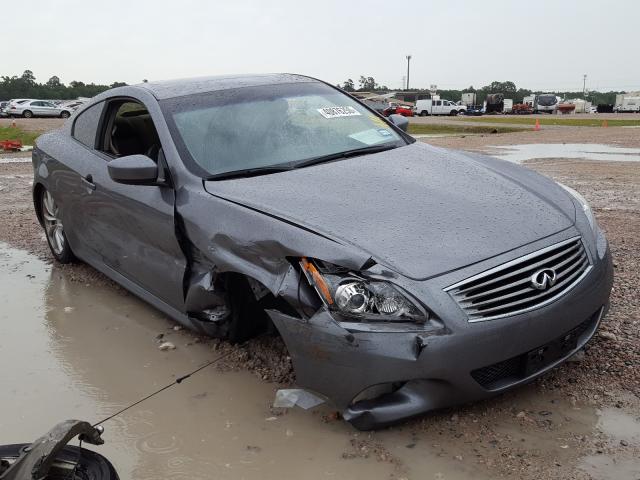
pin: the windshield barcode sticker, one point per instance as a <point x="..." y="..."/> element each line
<point x="336" y="112"/>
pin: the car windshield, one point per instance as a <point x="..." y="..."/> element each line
<point x="547" y="100"/>
<point x="270" y="126"/>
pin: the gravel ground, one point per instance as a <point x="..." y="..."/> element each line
<point x="33" y="124"/>
<point x="613" y="190"/>
<point x="605" y="376"/>
<point x="617" y="136"/>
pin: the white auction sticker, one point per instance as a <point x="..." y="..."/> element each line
<point x="336" y="112"/>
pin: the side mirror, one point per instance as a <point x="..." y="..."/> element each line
<point x="399" y="121"/>
<point x="133" y="170"/>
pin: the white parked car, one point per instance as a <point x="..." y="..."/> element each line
<point x="36" y="108"/>
<point x="14" y="101"/>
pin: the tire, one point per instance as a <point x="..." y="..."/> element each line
<point x="92" y="465"/>
<point x="453" y="113"/>
<point x="424" y="113"/>
<point x="64" y="114"/>
<point x="53" y="228"/>
<point x="27" y="114"/>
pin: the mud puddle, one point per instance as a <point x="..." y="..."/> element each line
<point x="443" y="135"/>
<point x="584" y="151"/>
<point x="74" y="350"/>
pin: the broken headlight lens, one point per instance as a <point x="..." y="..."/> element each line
<point x="351" y="295"/>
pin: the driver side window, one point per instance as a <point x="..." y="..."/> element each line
<point x="129" y="130"/>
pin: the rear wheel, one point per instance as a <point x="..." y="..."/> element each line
<point x="65" y="114"/>
<point x="424" y="113"/>
<point x="53" y="228"/>
<point x="27" y="114"/>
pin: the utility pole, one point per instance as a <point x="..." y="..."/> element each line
<point x="408" y="62"/>
<point x="584" y="85"/>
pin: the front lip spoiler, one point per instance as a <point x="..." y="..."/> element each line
<point x="418" y="396"/>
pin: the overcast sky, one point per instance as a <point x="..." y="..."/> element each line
<point x="538" y="44"/>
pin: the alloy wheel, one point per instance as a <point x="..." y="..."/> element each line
<point x="53" y="223"/>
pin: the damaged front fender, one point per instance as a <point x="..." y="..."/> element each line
<point x="220" y="236"/>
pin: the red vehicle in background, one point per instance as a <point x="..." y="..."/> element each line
<point x="399" y="110"/>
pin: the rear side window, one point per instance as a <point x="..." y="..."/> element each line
<point x="86" y="125"/>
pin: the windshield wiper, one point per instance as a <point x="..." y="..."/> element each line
<point x="249" y="172"/>
<point x="346" y="154"/>
<point x="253" y="172"/>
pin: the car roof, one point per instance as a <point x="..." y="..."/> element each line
<point x="190" y="86"/>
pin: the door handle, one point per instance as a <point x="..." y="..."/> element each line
<point x="88" y="182"/>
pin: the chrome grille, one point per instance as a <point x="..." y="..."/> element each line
<point x="508" y="290"/>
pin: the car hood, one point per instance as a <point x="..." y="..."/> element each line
<point x="419" y="210"/>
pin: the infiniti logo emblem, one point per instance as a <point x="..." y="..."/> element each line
<point x="543" y="279"/>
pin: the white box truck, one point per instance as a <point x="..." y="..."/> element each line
<point x="468" y="99"/>
<point x="508" y="105"/>
<point x="626" y="102"/>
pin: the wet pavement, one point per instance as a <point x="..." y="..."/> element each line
<point x="585" y="151"/>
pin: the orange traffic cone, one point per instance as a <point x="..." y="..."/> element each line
<point x="605" y="124"/>
<point x="537" y="127"/>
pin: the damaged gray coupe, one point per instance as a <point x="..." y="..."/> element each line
<point x="402" y="277"/>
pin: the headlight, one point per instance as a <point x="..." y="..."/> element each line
<point x="583" y="202"/>
<point x="354" y="296"/>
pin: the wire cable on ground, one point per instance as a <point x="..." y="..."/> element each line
<point x="175" y="382"/>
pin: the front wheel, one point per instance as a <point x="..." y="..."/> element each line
<point x="424" y="113"/>
<point x="248" y="318"/>
<point x="65" y="114"/>
<point x="53" y="228"/>
<point x="453" y="113"/>
<point x="27" y="114"/>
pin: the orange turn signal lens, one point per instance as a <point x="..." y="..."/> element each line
<point x="318" y="280"/>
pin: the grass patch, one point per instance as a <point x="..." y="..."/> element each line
<point x="442" y="129"/>
<point x="16" y="133"/>
<point x="553" y="120"/>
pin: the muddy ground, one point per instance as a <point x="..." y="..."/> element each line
<point x="580" y="421"/>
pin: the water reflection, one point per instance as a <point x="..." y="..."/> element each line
<point x="585" y="151"/>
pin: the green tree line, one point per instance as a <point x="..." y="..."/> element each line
<point x="508" y="88"/>
<point x="26" y="86"/>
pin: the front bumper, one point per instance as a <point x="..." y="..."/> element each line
<point x="458" y="363"/>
